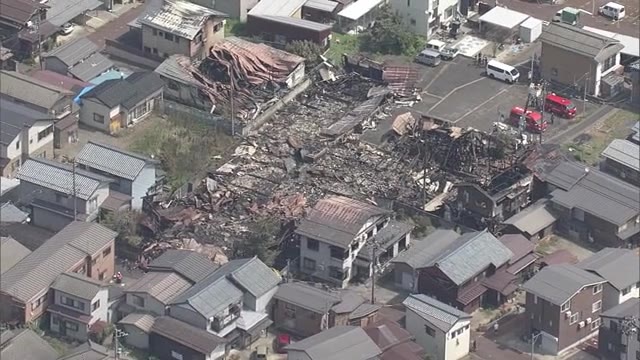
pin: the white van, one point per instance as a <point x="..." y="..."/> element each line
<point x="612" y="10"/>
<point x="436" y="45"/>
<point x="504" y="72"/>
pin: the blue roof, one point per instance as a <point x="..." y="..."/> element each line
<point x="109" y="75"/>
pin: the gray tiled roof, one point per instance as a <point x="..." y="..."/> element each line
<point x="441" y="315"/>
<point x="74" y="52"/>
<point x="559" y="283"/>
<point x="628" y="308"/>
<point x="59" y="177"/>
<point x="87" y="351"/>
<point x="620" y="267"/>
<point x="126" y="92"/>
<point x="65" y="249"/>
<point x="162" y="286"/>
<point x="77" y="285"/>
<point x="25" y="344"/>
<point x="9" y="213"/>
<point x="424" y="251"/>
<point x="143" y="322"/>
<point x="11" y="252"/>
<point x="189" y="264"/>
<point x="114" y="161"/>
<point x="580" y="41"/>
<point x="171" y="68"/>
<point x="31" y="90"/>
<point x="199" y="340"/>
<point x="624" y="152"/>
<point x="255" y="277"/>
<point x="15" y="117"/>
<point x="307" y="297"/>
<point x="91" y="67"/>
<point x="208" y="297"/>
<point x="338" y="343"/>
<point x="532" y="219"/>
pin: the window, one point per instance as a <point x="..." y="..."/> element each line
<point x="168" y="36"/>
<point x="626" y="290"/>
<point x="430" y="331"/>
<point x="36" y="304"/>
<point x="101" y="275"/>
<point x="338" y="253"/>
<point x="155" y="51"/>
<point x="71" y="326"/>
<point x="370" y="234"/>
<point x="566" y="306"/>
<point x="597" y="289"/>
<point x="93" y="204"/>
<point x="454" y="334"/>
<point x="147" y="49"/>
<point x="176" y="39"/>
<point x="313" y="244"/>
<point x="173" y="85"/>
<point x="98" y="118"/>
<point x="18" y="145"/>
<point x="94" y="262"/>
<point x="309" y="264"/>
<point x="176" y="355"/>
<point x="596" y="306"/>
<point x="609" y="63"/>
<point x="95" y="305"/>
<point x="595" y="324"/>
<point x="54" y="320"/>
<point x="408" y="3"/>
<point x="106" y="251"/>
<point x="137" y="300"/>
<point x="199" y="37"/>
<point x="217" y="27"/>
<point x="44" y="133"/>
<point x="66" y="301"/>
<point x="154" y="32"/>
<point x="413" y="22"/>
<point x="574" y="318"/>
<point x="336" y="273"/>
<point x="160" y="33"/>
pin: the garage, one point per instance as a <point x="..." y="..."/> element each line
<point x="500" y="24"/>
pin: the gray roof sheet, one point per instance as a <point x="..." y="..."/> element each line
<point x="197" y="339"/>
<point x="620" y="267"/>
<point x="349" y="302"/>
<point x="533" y="219"/>
<point x="580" y="41"/>
<point x="9" y="213"/>
<point x="386" y="237"/>
<point x="14" y="118"/>
<point x="301" y="23"/>
<point x="91" y="67"/>
<point x="59" y="177"/>
<point x="77" y="285"/>
<point x="285" y="8"/>
<point x="518" y="244"/>
<point x="338" y="343"/>
<point x="624" y="152"/>
<point x="441" y="315"/>
<point x="307" y="296"/>
<point x="208" y="297"/>
<point x="11" y="252"/>
<point x="162" y="286"/>
<point x="39" y="269"/>
<point x="127" y="92"/>
<point x="628" y="308"/>
<point x="112" y="160"/>
<point x="62" y="11"/>
<point x="255" y="277"/>
<point x="143" y="322"/>
<point x="424" y="251"/>
<point x="559" y="283"/>
<point x="31" y="90"/>
<point x="87" y="351"/>
<point x="337" y="219"/>
<point x="26" y="344"/>
<point x="181" y="18"/>
<point x="189" y="264"/>
<point x="322" y="5"/>
<point x="171" y="68"/>
<point x="74" y="51"/>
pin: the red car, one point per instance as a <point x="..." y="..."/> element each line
<point x="560" y="106"/>
<point x="282" y="340"/>
<point x="534" y="122"/>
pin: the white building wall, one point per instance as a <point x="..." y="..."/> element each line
<point x="433" y="345"/>
<point x="14" y="149"/>
<point x="34" y="144"/>
<point x="633" y="293"/>
<point x="101" y="313"/>
<point x="218" y="353"/>
<point x="141" y="185"/>
<point x="263" y="301"/>
<point x="458" y="347"/>
<point x="150" y="304"/>
<point x="417" y="14"/>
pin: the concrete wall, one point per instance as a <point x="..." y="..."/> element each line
<point x="49" y="220"/>
<point x="150" y="303"/>
<point x="261" y="303"/>
<point x="90" y="107"/>
<point x="32" y="146"/>
<point x="434" y="345"/>
<point x="565" y="67"/>
<point x="141" y="185"/>
<point x="297" y="355"/>
<point x="458" y="347"/>
<point x="163" y="46"/>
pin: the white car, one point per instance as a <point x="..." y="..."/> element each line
<point x="449" y="52"/>
<point x="67" y="28"/>
<point x="612" y="10"/>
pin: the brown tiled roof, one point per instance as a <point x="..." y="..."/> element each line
<point x="518" y="244"/>
<point x="17" y="11"/>
<point x="471" y="293"/>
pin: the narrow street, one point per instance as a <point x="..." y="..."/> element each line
<point x="115" y="28"/>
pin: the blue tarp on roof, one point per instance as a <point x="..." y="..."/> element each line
<point x="109" y="75"/>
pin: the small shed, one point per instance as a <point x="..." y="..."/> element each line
<point x="530" y="30"/>
<point x="359" y="14"/>
<point x="501" y="20"/>
<point x="137" y="326"/>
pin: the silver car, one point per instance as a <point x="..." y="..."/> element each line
<point x="449" y="53"/>
<point x="428" y="57"/>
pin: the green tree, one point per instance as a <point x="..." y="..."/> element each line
<point x="306" y="49"/>
<point x="260" y="241"/>
<point x="125" y="223"/>
<point x="389" y="36"/>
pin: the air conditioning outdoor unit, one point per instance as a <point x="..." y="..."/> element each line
<point x="567" y="314"/>
<point x="581" y="324"/>
<point x="588" y="320"/>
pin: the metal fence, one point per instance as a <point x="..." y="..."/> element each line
<point x="179" y="111"/>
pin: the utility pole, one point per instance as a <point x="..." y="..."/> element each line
<point x="373" y="275"/>
<point x="116" y="335"/>
<point x="584" y="96"/>
<point x="75" y="195"/>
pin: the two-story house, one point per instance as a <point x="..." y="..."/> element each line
<point x="443" y="331"/>
<point x="25" y="133"/>
<point x="83" y="248"/>
<point x="424" y="17"/>
<point x="117" y="104"/>
<point x="619" y="335"/>
<point x="306" y="309"/>
<point x="78" y="303"/>
<point x="338" y="237"/>
<point x="621" y="269"/>
<point x="25" y="344"/>
<point x="231" y="302"/>
<point x="563" y="305"/>
<point x="52" y="101"/>
<point x="181" y="27"/>
<point x="133" y="174"/>
<point x="189" y="264"/>
<point x="58" y="193"/>
<point x="621" y="159"/>
<point x="79" y="58"/>
<point x="153" y="292"/>
<point x="593" y="206"/>
<point x="573" y="56"/>
<point x="172" y="339"/>
<point x="462" y="272"/>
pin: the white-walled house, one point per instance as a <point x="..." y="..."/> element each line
<point x="443" y="331"/>
<point x="424" y="17"/>
<point x="337" y="239"/>
<point x="621" y="269"/>
<point x="78" y="302"/>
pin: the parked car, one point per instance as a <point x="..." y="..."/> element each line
<point x="533" y="120"/>
<point x="436" y="45"/>
<point x="501" y="71"/>
<point x="612" y="10"/>
<point x="67" y="28"/>
<point x="261" y="353"/>
<point x="449" y="52"/>
<point x="281" y="341"/>
<point x="428" y="57"/>
<point x="560" y="106"/>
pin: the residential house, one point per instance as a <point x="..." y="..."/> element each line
<point x="593" y="206"/>
<point x="281" y="21"/>
<point x="133" y="175"/>
<point x="576" y="57"/>
<point x="359" y="15"/>
<point x="230" y="302"/>
<point x="61" y="81"/>
<point x="191" y="265"/>
<point x="443" y="331"/>
<point x="621" y="269"/>
<point x="337" y="343"/>
<point x="25" y="133"/>
<point x="235" y="9"/>
<point x="622" y="160"/>
<point x="522" y="263"/>
<point x="321" y="11"/>
<point x="306" y="309"/>
<point x="425" y="17"/>
<point x="172" y="339"/>
<point x="138" y="327"/>
<point x="619" y="337"/>
<point x="394" y="341"/>
<point x="153" y="292"/>
<point x="86" y="351"/>
<point x="337" y="237"/>
<point x="52" y="101"/>
<point x="78" y="303"/>
<point x="563" y="305"/>
<point x="58" y="194"/>
<point x="535" y="222"/>
<point x="120" y="103"/>
<point x="11" y="252"/>
<point x="78" y="58"/>
<point x="421" y="252"/>
<point x="18" y="19"/>
<point x="80" y="247"/>
<point x="181" y="27"/>
<point x="25" y="344"/>
<point x="468" y="273"/>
